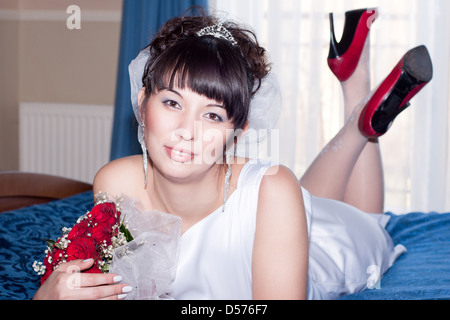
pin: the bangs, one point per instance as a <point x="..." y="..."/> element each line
<point x="208" y="66"/>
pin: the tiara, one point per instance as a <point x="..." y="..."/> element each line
<point x="217" y="31"/>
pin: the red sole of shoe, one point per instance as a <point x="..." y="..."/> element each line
<point x="344" y="65"/>
<point x="407" y="78"/>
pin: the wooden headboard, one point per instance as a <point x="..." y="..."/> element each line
<point x="21" y="189"/>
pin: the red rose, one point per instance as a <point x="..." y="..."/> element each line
<point x="105" y="213"/>
<point x="82" y="248"/>
<point x="78" y="230"/>
<point x="100" y="232"/>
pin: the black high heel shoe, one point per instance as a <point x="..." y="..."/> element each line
<point x="344" y="56"/>
<point x="407" y="78"/>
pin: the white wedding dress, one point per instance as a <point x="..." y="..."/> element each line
<point x="349" y="249"/>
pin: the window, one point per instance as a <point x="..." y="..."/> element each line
<point x="296" y="34"/>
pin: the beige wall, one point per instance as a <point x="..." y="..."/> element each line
<point x="41" y="60"/>
<point x="9" y="94"/>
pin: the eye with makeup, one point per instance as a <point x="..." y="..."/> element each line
<point x="171" y="103"/>
<point x="214" y="117"/>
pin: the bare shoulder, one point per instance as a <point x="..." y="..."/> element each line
<point x="280" y="197"/>
<point x="277" y="181"/>
<point x="120" y="176"/>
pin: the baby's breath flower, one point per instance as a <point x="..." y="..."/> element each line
<point x="39" y="268"/>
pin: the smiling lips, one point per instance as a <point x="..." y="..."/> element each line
<point x="179" y="155"/>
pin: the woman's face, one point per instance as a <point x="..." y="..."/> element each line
<point x="185" y="132"/>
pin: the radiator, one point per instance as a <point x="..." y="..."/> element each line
<point x="68" y="140"/>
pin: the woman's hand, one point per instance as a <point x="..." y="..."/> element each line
<point x="68" y="282"/>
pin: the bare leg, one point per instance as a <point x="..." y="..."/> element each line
<point x="329" y="174"/>
<point x="365" y="188"/>
<point x="349" y="168"/>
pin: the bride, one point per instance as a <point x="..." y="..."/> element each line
<point x="250" y="229"/>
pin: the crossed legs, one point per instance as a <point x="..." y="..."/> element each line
<point x="349" y="168"/>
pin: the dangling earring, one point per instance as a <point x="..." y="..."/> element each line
<point x="227" y="177"/>
<point x="227" y="184"/>
<point x="144" y="153"/>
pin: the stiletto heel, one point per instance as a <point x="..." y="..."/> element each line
<point x="407" y="78"/>
<point x="343" y="57"/>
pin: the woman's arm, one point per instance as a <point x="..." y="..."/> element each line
<point x="280" y="254"/>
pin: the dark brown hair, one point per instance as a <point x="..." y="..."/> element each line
<point x="207" y="65"/>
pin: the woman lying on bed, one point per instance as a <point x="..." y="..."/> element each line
<point x="250" y="229"/>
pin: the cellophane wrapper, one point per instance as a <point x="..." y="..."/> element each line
<point x="148" y="263"/>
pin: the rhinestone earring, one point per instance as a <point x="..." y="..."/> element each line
<point x="227" y="184"/>
<point x="228" y="176"/>
<point x="144" y="153"/>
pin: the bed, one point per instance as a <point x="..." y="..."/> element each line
<point x="421" y="273"/>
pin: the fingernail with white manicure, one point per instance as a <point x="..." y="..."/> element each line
<point x="122" y="296"/>
<point x="126" y="289"/>
<point x="117" y="278"/>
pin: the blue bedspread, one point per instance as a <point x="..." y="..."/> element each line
<point x="421" y="273"/>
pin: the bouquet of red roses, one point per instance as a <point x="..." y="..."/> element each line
<point x="95" y="235"/>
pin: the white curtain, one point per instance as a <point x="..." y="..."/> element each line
<point x="416" y="150"/>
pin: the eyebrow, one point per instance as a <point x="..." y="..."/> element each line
<point x="181" y="96"/>
<point x="216" y="105"/>
<point x="171" y="90"/>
